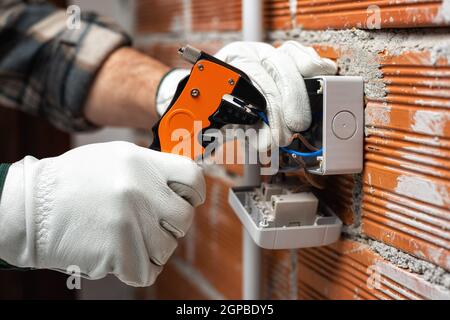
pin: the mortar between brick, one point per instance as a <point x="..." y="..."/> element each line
<point x="188" y="37"/>
<point x="443" y="15"/>
<point x="429" y="272"/>
<point x="360" y="49"/>
<point x="357" y="196"/>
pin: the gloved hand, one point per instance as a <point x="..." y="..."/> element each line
<point x="278" y="74"/>
<point x="107" y="208"/>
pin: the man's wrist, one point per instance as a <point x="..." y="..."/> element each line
<point x="124" y="91"/>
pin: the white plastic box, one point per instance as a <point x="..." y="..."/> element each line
<point x="325" y="228"/>
<point x="341" y="100"/>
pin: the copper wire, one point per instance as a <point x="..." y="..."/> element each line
<point x="304" y="141"/>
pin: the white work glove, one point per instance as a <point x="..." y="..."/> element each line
<point x="167" y="87"/>
<point x="278" y="74"/>
<point x="107" y="208"/>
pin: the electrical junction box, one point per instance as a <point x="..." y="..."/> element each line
<point x="277" y="217"/>
<point x="337" y="106"/>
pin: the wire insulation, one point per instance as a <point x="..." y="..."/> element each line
<point x="263" y="117"/>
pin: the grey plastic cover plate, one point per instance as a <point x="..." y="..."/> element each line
<point x="342" y="126"/>
<point x="323" y="232"/>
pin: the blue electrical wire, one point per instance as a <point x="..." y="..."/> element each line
<point x="302" y="154"/>
<point x="263" y="116"/>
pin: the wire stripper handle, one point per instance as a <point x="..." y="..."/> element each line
<point x="214" y="94"/>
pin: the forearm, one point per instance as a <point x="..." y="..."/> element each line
<point x="47" y="69"/>
<point x="124" y="90"/>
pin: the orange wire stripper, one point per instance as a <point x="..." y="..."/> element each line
<point x="214" y="94"/>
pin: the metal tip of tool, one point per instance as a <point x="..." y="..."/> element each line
<point x="190" y="54"/>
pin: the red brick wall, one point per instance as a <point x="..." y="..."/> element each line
<point x="341" y="14"/>
<point x="397" y="213"/>
<point x="213" y="15"/>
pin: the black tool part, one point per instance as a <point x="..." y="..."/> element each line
<point x="233" y="112"/>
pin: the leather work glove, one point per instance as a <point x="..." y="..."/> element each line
<point x="278" y="74"/>
<point x="106" y="208"/>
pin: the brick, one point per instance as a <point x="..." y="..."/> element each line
<point x="171" y="284"/>
<point x="342" y="202"/>
<point x="407" y="177"/>
<point x="159" y="16"/>
<point x="213" y="246"/>
<point x="219" y="242"/>
<point x="173" y="16"/>
<point x="406" y="180"/>
<point x="345" y="14"/>
<point x="278" y="275"/>
<point x="166" y="53"/>
<point x="344" y="270"/>
<point x="212" y="15"/>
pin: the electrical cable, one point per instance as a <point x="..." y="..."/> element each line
<point x="304" y="141"/>
<point x="263" y="117"/>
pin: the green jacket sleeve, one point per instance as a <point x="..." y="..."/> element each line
<point x="3" y="172"/>
<point x="4" y="167"/>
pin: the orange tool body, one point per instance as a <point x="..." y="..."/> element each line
<point x="213" y="95"/>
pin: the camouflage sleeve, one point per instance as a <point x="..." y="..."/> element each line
<point x="47" y="65"/>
